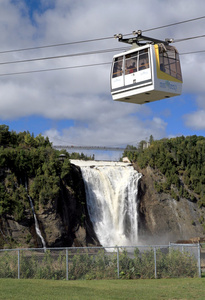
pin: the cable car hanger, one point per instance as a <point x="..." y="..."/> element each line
<point x="137" y="41"/>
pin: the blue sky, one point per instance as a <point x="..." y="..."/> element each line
<point x="74" y="106"/>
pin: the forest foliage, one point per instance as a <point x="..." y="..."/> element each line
<point x="29" y="164"/>
<point x="182" y="162"/>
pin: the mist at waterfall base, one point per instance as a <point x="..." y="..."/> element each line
<point x="111" y="195"/>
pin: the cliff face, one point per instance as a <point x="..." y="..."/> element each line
<point x="65" y="221"/>
<point x="162" y="219"/>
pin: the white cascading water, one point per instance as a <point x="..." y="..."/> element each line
<point x="111" y="195"/>
<point x="38" y="232"/>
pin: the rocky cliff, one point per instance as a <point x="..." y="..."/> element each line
<point x="65" y="220"/>
<point x="161" y="217"/>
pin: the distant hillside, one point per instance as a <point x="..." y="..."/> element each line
<point x="182" y="162"/>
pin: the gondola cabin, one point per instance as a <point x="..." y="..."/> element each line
<point x="146" y="73"/>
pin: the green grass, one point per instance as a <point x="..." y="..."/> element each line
<point x="26" y="289"/>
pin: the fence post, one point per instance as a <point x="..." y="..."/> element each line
<point x="155" y="263"/>
<point x="199" y="259"/>
<point x="66" y="264"/>
<point x="18" y="264"/>
<point x="118" y="264"/>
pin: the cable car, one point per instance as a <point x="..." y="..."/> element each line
<point x="149" y="71"/>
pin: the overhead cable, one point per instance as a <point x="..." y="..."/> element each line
<point x="55" y="69"/>
<point x="88" y="53"/>
<point x="63" y="56"/>
<point x="76" y="67"/>
<point x="173" y="24"/>
<point x="98" y="39"/>
<point x="189" y="38"/>
<point x="193" y="52"/>
<point x="57" y="45"/>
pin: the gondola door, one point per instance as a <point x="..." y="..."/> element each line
<point x="138" y="68"/>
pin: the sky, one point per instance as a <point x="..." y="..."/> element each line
<point x="73" y="106"/>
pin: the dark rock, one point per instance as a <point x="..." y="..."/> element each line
<point x="162" y="219"/>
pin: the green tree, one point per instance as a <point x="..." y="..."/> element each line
<point x="4" y="135"/>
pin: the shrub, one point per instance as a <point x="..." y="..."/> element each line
<point x="100" y="265"/>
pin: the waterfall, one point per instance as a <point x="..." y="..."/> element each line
<point x="111" y="196"/>
<point x="38" y="232"/>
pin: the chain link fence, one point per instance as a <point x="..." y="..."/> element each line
<point x="173" y="260"/>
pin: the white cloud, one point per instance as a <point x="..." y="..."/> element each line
<point x="195" y="120"/>
<point x="201" y="101"/>
<point x="108" y="131"/>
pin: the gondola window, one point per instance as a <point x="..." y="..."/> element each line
<point x="169" y="61"/>
<point x="117" y="68"/>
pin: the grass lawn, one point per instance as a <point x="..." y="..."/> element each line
<point x="26" y="289"/>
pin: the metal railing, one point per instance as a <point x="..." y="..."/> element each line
<point x="173" y="260"/>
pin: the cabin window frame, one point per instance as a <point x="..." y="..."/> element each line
<point x="132" y="62"/>
<point x="118" y="66"/>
